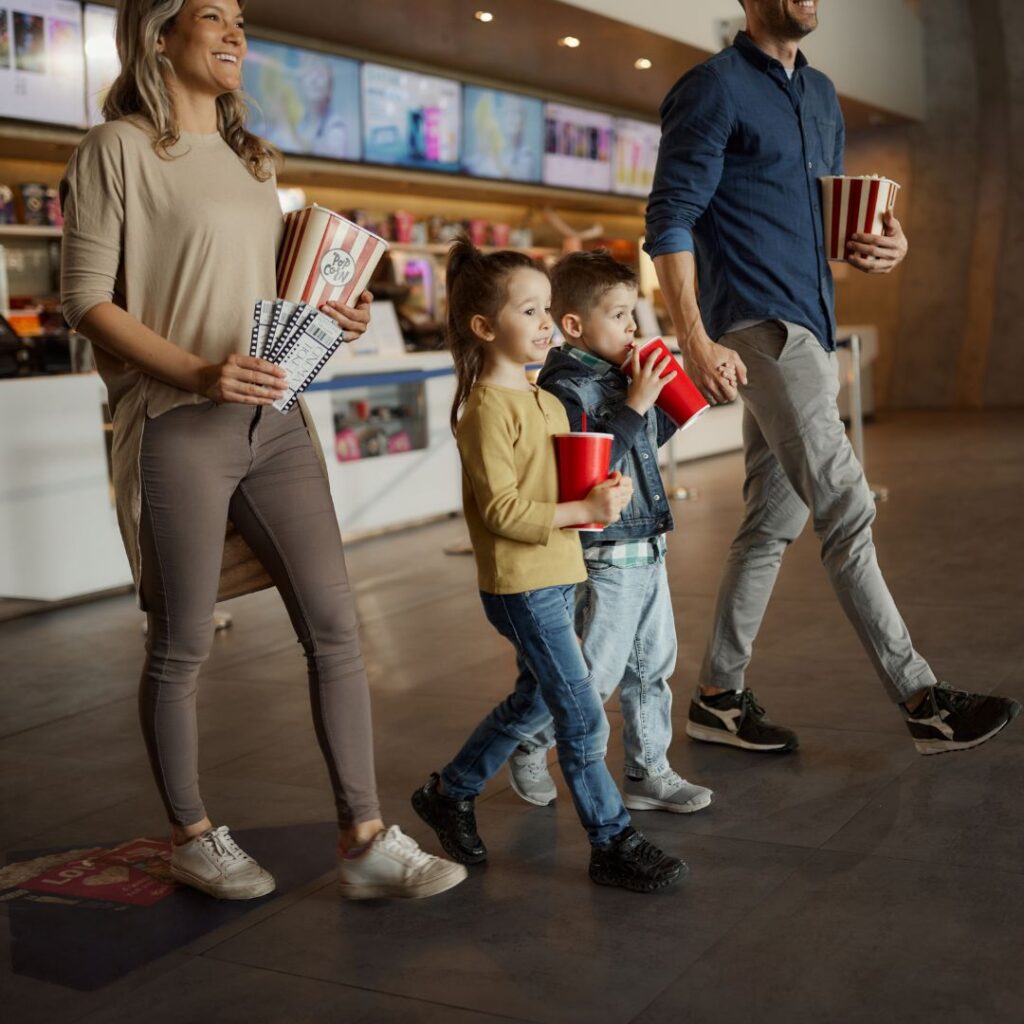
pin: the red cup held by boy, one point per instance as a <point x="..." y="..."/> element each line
<point x="680" y="399"/>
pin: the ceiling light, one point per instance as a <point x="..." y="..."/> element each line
<point x="484" y="16"/>
<point x="571" y="41"/>
<point x="642" y="63"/>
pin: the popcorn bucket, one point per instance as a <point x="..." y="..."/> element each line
<point x="852" y="205"/>
<point x="325" y="258"/>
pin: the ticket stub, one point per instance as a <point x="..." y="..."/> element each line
<point x="261" y="322"/>
<point x="280" y="319"/>
<point x="305" y="355"/>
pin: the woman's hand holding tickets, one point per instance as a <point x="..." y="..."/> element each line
<point x="646" y="381"/>
<point x="607" y="500"/>
<point x="354" y="319"/>
<point x="243" y="379"/>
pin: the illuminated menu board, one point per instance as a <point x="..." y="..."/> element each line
<point x="577" y="148"/>
<point x="42" y="77"/>
<point x="303" y="101"/>
<point x="102" y="65"/>
<point x="410" y="119"/>
<point x="635" y="156"/>
<point x="502" y="134"/>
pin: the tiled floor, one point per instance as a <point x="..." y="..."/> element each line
<point x="851" y="882"/>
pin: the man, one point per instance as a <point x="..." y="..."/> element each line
<point x="745" y="136"/>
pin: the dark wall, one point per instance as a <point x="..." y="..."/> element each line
<point x="950" y="318"/>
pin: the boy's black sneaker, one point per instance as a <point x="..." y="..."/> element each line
<point x="629" y="861"/>
<point x="736" y="719"/>
<point x="454" y="821"/>
<point x="948" y="719"/>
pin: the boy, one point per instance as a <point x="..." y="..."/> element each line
<point x="624" y="609"/>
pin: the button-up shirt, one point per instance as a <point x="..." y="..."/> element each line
<point x="742" y="147"/>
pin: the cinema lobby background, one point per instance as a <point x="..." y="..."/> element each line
<point x="851" y="881"/>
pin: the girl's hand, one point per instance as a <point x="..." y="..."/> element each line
<point x="646" y="381"/>
<point x="607" y="500"/>
<point x="355" y="319"/>
<point x="242" y="379"/>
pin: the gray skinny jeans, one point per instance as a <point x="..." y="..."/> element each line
<point x="200" y="465"/>
<point x="799" y="460"/>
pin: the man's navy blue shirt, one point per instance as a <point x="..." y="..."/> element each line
<point x="742" y="148"/>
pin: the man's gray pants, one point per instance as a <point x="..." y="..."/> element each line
<point x="798" y="459"/>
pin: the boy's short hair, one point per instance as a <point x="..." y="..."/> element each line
<point x="580" y="279"/>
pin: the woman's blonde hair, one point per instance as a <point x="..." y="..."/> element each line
<point x="140" y="89"/>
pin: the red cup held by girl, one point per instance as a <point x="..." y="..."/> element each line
<point x="680" y="399"/>
<point x="584" y="461"/>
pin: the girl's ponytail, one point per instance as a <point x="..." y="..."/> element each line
<point x="476" y="285"/>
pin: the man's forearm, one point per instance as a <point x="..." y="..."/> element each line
<point x="677" y="276"/>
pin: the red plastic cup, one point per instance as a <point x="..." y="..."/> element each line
<point x="584" y="461"/>
<point x="679" y="399"/>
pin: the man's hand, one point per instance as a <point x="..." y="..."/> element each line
<point x="878" y="254"/>
<point x="716" y="370"/>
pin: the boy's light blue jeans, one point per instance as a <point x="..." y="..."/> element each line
<point x="552" y="675"/>
<point x="628" y="634"/>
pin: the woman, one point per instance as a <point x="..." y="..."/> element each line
<point x="172" y="223"/>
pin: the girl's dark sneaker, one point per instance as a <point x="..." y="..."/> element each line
<point x="629" y="861"/>
<point x="948" y="719"/>
<point x="454" y="821"/>
<point x="737" y="720"/>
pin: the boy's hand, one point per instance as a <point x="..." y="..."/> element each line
<point x="646" y="381"/>
<point x="607" y="500"/>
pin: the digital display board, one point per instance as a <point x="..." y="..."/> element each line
<point x="635" y="156"/>
<point x="577" y="148"/>
<point x="502" y="134"/>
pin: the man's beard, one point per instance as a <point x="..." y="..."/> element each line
<point x="785" y="26"/>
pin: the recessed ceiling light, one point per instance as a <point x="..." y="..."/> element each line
<point x="483" y="16"/>
<point x="571" y="41"/>
<point x="641" y="63"/>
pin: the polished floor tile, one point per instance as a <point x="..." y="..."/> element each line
<point x="853" y="881"/>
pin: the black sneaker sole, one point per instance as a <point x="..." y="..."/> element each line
<point x="707" y="734"/>
<point x="422" y="808"/>
<point x="641" y="885"/>
<point x="928" y="748"/>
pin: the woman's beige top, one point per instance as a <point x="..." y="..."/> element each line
<point x="510" y="489"/>
<point x="186" y="246"/>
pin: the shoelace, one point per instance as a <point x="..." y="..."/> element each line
<point x="220" y="843"/>
<point x="955" y="700"/>
<point x="749" y="705"/>
<point x="533" y="767"/>
<point x="396" y="840"/>
<point x="646" y="852"/>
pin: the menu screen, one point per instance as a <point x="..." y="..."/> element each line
<point x="303" y="101"/>
<point x="636" y="155"/>
<point x="410" y="119"/>
<point x="102" y="65"/>
<point x="41" y="65"/>
<point x="577" y="148"/>
<point x="503" y="134"/>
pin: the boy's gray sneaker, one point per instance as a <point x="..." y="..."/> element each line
<point x="531" y="780"/>
<point x="668" y="792"/>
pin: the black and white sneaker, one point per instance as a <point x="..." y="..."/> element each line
<point x="631" y="862"/>
<point x="737" y="720"/>
<point x="948" y="719"/>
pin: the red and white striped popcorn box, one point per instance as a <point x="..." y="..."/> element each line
<point x="851" y="205"/>
<point x="324" y="257"/>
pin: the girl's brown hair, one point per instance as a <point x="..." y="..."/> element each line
<point x="139" y="89"/>
<point x="477" y="285"/>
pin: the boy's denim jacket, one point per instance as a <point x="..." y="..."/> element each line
<point x="602" y="396"/>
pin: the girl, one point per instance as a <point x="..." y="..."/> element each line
<point x="499" y="322"/>
<point x="172" y="223"/>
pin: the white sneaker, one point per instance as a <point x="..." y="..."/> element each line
<point x="394" y="865"/>
<point x="530" y="778"/>
<point x="668" y="792"/>
<point x="215" y="864"/>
